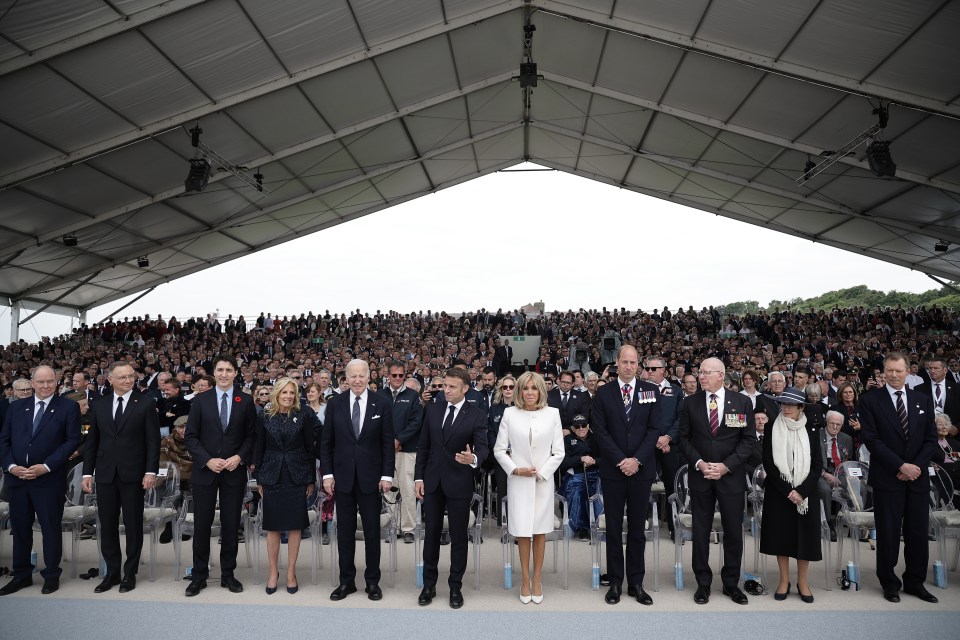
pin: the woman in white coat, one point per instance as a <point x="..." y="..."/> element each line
<point x="530" y="449"/>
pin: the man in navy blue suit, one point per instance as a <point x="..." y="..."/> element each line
<point x="452" y="441"/>
<point x="626" y="420"/>
<point x="357" y="457"/>
<point x="38" y="435"/>
<point x="898" y="429"/>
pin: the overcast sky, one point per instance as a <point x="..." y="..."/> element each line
<point x="506" y="240"/>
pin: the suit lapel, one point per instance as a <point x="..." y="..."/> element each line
<point x="373" y="406"/>
<point x="456" y="422"/>
<point x="127" y="410"/>
<point x="44" y="419"/>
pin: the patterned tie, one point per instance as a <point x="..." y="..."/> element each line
<point x="39" y="416"/>
<point x="119" y="413"/>
<point x="223" y="412"/>
<point x="449" y="419"/>
<point x="902" y="412"/>
<point x="939" y="401"/>
<point x="836" y="455"/>
<point x="355" y="417"/>
<point x="395" y="395"/>
<point x="626" y="399"/>
<point x="714" y="416"/>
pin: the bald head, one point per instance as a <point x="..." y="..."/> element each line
<point x="711" y="374"/>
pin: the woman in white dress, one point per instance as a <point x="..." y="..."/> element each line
<point x="530" y="449"/>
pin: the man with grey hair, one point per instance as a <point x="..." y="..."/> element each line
<point x="776" y="383"/>
<point x="37" y="437"/>
<point x="835" y="447"/>
<point x="357" y="456"/>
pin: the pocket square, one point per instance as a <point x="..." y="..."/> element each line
<point x="375" y="417"/>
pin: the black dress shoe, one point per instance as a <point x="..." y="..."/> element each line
<point x="15" y="585"/>
<point x="195" y="587"/>
<point x="343" y="591"/>
<point x="229" y="582"/>
<point x="50" y="585"/>
<point x="891" y="596"/>
<point x="923" y="594"/>
<point x="409" y="538"/>
<point x="456" y="599"/>
<point x="427" y="596"/>
<point x="735" y="594"/>
<point x="702" y="596"/>
<point x="613" y="594"/>
<point x="108" y="583"/>
<point x="129" y="583"/>
<point x="642" y="596"/>
<point x="833" y="535"/>
<point x="374" y="592"/>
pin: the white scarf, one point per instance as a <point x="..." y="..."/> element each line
<point x="791" y="452"/>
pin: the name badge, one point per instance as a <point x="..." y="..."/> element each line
<point x="931" y="471"/>
<point x="735" y="420"/>
<point x="855" y="472"/>
<point x="161" y="472"/>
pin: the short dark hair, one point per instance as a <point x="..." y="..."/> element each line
<point x="459" y="374"/>
<point x="566" y="373"/>
<point x="487" y="370"/>
<point x="225" y="357"/>
<point x="393" y="364"/>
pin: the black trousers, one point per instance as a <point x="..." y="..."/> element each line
<point x="112" y="498"/>
<point x="45" y="503"/>
<point x="458" y="517"/>
<point x="204" y="509"/>
<point x="703" y="503"/>
<point x="668" y="463"/>
<point x="909" y="512"/>
<point x="634" y="496"/>
<point x="348" y="505"/>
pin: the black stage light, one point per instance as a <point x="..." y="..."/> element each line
<point x="878" y="157"/>
<point x="69" y="240"/>
<point x="941" y="246"/>
<point x="143" y="262"/>
<point x="199" y="175"/>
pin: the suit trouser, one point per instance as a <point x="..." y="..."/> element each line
<point x="205" y="506"/>
<point x="668" y="463"/>
<point x="45" y="503"/>
<point x="458" y="518"/>
<point x="703" y="504"/>
<point x="348" y="504"/>
<point x="826" y="495"/>
<point x="406" y="462"/>
<point x="634" y="495"/>
<point x="112" y="497"/>
<point x="908" y="511"/>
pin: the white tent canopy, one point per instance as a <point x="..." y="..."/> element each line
<point x="347" y="107"/>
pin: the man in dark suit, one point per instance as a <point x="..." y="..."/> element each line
<point x="171" y="406"/>
<point x="835" y="448"/>
<point x="219" y="436"/>
<point x="626" y="418"/>
<point x="38" y="435"/>
<point x="407" y="418"/>
<point x="942" y="388"/>
<point x="452" y="441"/>
<point x="82" y="384"/>
<point x="357" y="456"/>
<point x="123" y="447"/>
<point x="568" y="400"/>
<point x="716" y="439"/>
<point x="667" y="456"/>
<point x="897" y="426"/>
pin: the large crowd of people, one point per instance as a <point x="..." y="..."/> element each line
<point x="279" y="381"/>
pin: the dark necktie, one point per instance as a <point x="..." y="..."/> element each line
<point x="39" y="416"/>
<point x="224" y="420"/>
<point x="836" y="454"/>
<point x="714" y="416"/>
<point x="902" y="412"/>
<point x="119" y="414"/>
<point x="565" y="397"/>
<point x="449" y="419"/>
<point x="355" y="417"/>
<point x="939" y="400"/>
<point x="626" y="399"/>
<point x="394" y="395"/>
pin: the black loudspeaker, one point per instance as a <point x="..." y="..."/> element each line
<point x="609" y="344"/>
<point x="878" y="157"/>
<point x="199" y="175"/>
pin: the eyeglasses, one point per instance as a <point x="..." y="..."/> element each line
<point x="707" y="373"/>
<point x="651" y="368"/>
<point x="436" y="386"/>
<point x="580" y="426"/>
<point x="508" y="386"/>
<point x="397" y="375"/>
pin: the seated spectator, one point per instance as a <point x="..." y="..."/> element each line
<point x="173" y="449"/>
<point x="580" y="476"/>
<point x="835" y="447"/>
<point x="947" y="454"/>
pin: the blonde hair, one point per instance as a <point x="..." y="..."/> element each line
<point x="537" y="379"/>
<point x="498" y="396"/>
<point x="279" y="386"/>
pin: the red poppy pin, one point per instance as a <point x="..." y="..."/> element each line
<point x="238" y="399"/>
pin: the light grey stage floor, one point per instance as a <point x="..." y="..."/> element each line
<point x="160" y="610"/>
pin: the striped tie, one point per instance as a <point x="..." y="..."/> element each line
<point x="626" y="399"/>
<point x="902" y="412"/>
<point x="714" y="416"/>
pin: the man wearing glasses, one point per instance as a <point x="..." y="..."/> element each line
<point x="716" y="438"/>
<point x="407" y="418"/>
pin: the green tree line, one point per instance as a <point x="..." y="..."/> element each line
<point x="859" y="296"/>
